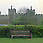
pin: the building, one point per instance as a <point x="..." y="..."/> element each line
<point x="21" y="18"/>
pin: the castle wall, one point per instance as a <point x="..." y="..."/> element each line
<point x="3" y="19"/>
<point x="28" y="18"/>
<point x="39" y="18"/>
<point x="21" y="18"/>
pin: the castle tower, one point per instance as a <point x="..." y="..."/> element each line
<point x="11" y="13"/>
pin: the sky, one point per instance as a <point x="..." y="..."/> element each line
<point x="5" y="4"/>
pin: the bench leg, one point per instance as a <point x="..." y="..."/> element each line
<point x="11" y="36"/>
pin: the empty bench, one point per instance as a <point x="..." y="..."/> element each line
<point x="21" y="34"/>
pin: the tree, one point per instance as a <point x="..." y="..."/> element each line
<point x="22" y="10"/>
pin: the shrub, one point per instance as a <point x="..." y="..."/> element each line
<point x="36" y="30"/>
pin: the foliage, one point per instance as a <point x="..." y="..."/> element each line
<point x="37" y="31"/>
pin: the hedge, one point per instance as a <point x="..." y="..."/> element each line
<point x="36" y="30"/>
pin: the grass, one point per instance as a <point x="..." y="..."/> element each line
<point x="21" y="40"/>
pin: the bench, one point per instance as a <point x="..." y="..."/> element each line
<point x="21" y="34"/>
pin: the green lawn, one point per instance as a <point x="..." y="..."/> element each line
<point x="21" y="40"/>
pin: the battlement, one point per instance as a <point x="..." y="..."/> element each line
<point x="39" y="15"/>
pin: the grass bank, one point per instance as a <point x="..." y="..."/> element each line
<point x="21" y="40"/>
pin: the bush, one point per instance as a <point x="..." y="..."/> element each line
<point x="36" y="30"/>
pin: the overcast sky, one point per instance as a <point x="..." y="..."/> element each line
<point x="5" y="4"/>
